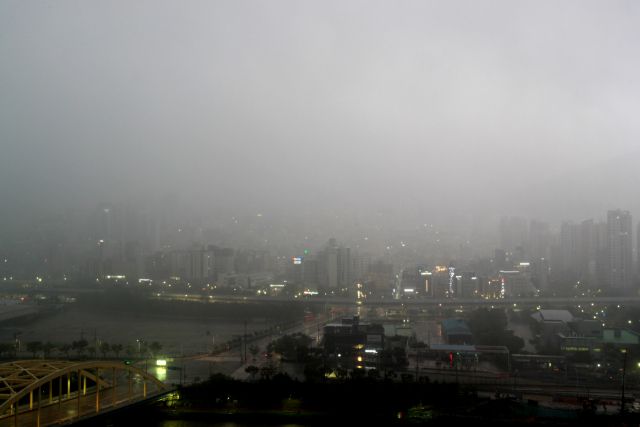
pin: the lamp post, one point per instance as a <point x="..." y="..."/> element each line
<point x="245" y="340"/>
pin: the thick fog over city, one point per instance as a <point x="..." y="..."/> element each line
<point x="432" y="110"/>
<point x="279" y="198"/>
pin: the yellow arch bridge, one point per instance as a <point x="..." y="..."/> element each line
<point x="41" y="392"/>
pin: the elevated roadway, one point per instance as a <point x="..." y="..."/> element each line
<point x="427" y="302"/>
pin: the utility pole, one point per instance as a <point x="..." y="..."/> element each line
<point x="245" y="340"/>
<point x="624" y="374"/>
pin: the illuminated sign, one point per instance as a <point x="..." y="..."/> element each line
<point x="452" y="273"/>
<point x="524" y="263"/>
<point x="374" y="338"/>
<point x="277" y="286"/>
<point x="408" y="290"/>
<point x="297" y="260"/>
<point x="161" y="362"/>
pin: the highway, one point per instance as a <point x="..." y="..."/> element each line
<point x="426" y="302"/>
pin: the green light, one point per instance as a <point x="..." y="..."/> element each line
<point x="305" y="252"/>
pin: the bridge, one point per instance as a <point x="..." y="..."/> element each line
<point x="413" y="302"/>
<point x="42" y="392"/>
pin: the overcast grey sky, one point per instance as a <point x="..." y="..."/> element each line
<point x="236" y="101"/>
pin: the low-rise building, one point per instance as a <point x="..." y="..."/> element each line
<point x="351" y="334"/>
<point x="559" y="329"/>
<point x="455" y="331"/>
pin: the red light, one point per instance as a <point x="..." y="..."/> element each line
<point x="45" y="260"/>
<point x="265" y="355"/>
<point x="451" y="356"/>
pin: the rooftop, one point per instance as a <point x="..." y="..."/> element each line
<point x="453" y="347"/>
<point x="626" y="336"/>
<point x="454" y="322"/>
<point x="562" y="315"/>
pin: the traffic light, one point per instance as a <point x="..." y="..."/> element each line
<point x="265" y="355"/>
<point x="126" y="362"/>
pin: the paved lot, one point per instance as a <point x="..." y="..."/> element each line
<point x="523" y="331"/>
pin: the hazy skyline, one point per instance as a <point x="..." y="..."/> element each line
<point x="466" y="105"/>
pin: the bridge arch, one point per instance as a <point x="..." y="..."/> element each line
<point x="21" y="378"/>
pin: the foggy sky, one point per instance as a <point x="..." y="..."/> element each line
<point x="461" y="105"/>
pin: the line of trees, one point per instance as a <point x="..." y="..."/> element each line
<point x="358" y="392"/>
<point x="81" y="349"/>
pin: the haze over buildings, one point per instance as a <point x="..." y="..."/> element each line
<point x="222" y="140"/>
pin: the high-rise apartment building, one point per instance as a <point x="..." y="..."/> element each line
<point x="344" y="266"/>
<point x="619" y="248"/>
<point x="359" y="266"/>
<point x="331" y="265"/>
<point x="199" y="264"/>
<point x="539" y="239"/>
<point x="571" y="249"/>
<point x="513" y="232"/>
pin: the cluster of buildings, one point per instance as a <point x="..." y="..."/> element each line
<point x="378" y="256"/>
<point x="571" y="336"/>
<point x="598" y="252"/>
<point x="336" y="267"/>
<point x="531" y="259"/>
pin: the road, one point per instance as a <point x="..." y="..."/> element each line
<point x="230" y="362"/>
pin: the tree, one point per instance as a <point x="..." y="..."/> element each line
<point x="91" y="350"/>
<point x="489" y="328"/>
<point x="341" y="373"/>
<point x="267" y="372"/>
<point x="252" y="370"/>
<point x="406" y="378"/>
<point x="34" y="347"/>
<point x="79" y="346"/>
<point x="130" y="350"/>
<point x="254" y="349"/>
<point x="117" y="348"/>
<point x="65" y="348"/>
<point x="155" y="348"/>
<point x="7" y="348"/>
<point x="373" y="374"/>
<point x="357" y="374"/>
<point x="46" y="348"/>
<point x="104" y="349"/>
<point x="142" y="351"/>
<point x="291" y="346"/>
<point x="323" y="372"/>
